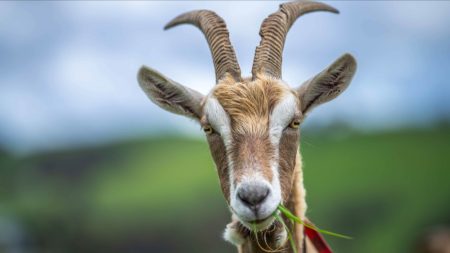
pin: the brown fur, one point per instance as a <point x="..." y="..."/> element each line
<point x="250" y="154"/>
<point x="287" y="158"/>
<point x="249" y="103"/>
<point x="217" y="148"/>
<point x="297" y="200"/>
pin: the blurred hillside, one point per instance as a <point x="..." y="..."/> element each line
<point x="162" y="194"/>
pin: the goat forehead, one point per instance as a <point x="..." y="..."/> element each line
<point x="249" y="104"/>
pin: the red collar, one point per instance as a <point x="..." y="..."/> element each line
<point x="317" y="240"/>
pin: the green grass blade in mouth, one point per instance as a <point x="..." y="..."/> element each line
<point x="294" y="218"/>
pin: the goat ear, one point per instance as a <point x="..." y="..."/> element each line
<point x="169" y="94"/>
<point x="328" y="84"/>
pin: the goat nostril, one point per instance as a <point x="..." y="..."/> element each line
<point x="243" y="198"/>
<point x="266" y="193"/>
<point x="253" y="195"/>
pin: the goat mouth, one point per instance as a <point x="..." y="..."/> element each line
<point x="259" y="224"/>
<point x="259" y="221"/>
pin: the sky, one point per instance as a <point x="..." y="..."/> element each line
<point x="68" y="69"/>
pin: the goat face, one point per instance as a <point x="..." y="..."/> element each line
<point x="253" y="129"/>
<point x="252" y="124"/>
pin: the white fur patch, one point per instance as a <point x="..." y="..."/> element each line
<point x="220" y="121"/>
<point x="281" y="116"/>
<point x="232" y="235"/>
<point x="281" y="238"/>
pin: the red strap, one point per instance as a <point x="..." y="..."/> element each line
<point x="317" y="240"/>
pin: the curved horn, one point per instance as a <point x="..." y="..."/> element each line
<point x="216" y="33"/>
<point x="268" y="55"/>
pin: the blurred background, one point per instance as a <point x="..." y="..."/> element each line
<point x="88" y="164"/>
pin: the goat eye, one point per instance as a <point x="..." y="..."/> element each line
<point x="208" y="129"/>
<point x="295" y="124"/>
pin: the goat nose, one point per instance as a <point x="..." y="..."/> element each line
<point x="252" y="195"/>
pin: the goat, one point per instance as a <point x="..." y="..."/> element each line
<point x="252" y="124"/>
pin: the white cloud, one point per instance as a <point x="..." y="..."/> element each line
<point x="18" y="26"/>
<point x="426" y="19"/>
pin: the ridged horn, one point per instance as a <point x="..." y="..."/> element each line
<point x="216" y="33"/>
<point x="269" y="53"/>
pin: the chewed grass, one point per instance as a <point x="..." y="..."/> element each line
<point x="294" y="219"/>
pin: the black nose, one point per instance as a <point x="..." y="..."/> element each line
<point x="252" y="195"/>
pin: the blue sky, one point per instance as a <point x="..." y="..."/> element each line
<point x="68" y="69"/>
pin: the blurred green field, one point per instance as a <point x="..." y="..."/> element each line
<point x="162" y="194"/>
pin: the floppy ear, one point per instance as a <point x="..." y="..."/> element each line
<point x="328" y="84"/>
<point x="169" y="94"/>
